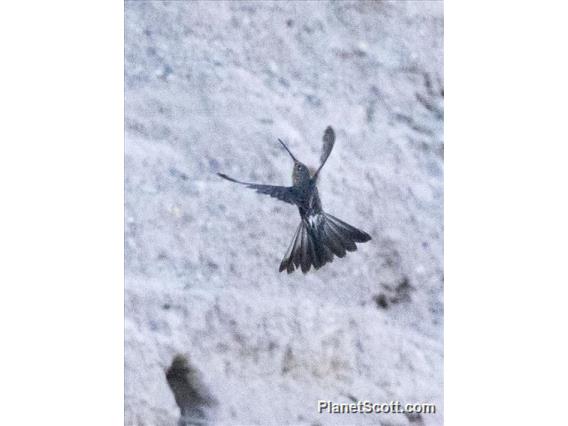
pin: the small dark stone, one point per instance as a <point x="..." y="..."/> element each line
<point x="414" y="418"/>
<point x="404" y="284"/>
<point x="381" y="301"/>
<point x="166" y="306"/>
<point x="402" y="291"/>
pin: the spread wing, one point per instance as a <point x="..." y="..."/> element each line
<point x="283" y="193"/>
<point x="328" y="142"/>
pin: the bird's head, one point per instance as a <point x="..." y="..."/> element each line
<point x="300" y="172"/>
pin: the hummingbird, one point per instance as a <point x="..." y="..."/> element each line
<point x="319" y="235"/>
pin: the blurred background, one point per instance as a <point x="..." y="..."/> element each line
<point x="209" y="87"/>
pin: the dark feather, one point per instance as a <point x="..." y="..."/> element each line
<point x="317" y="239"/>
<point x="288" y="194"/>
<point x="305" y="249"/>
<point x="297" y="257"/>
<point x="310" y="258"/>
<point x="287" y="261"/>
<point x="341" y="236"/>
<point x="328" y="142"/>
<point x="356" y="235"/>
<point x="333" y="241"/>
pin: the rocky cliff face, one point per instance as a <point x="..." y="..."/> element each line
<point x="209" y="86"/>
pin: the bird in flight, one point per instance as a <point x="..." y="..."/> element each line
<point x="319" y="235"/>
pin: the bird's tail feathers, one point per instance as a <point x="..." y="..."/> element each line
<point x="317" y="239"/>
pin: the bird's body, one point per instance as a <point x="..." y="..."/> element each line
<point x="319" y="235"/>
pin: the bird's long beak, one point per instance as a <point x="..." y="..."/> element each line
<point x="286" y="148"/>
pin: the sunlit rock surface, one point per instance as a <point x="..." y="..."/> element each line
<point x="209" y="87"/>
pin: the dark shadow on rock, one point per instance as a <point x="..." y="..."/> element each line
<point x="393" y="295"/>
<point x="194" y="401"/>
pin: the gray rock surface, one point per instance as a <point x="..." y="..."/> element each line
<point x="209" y="86"/>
